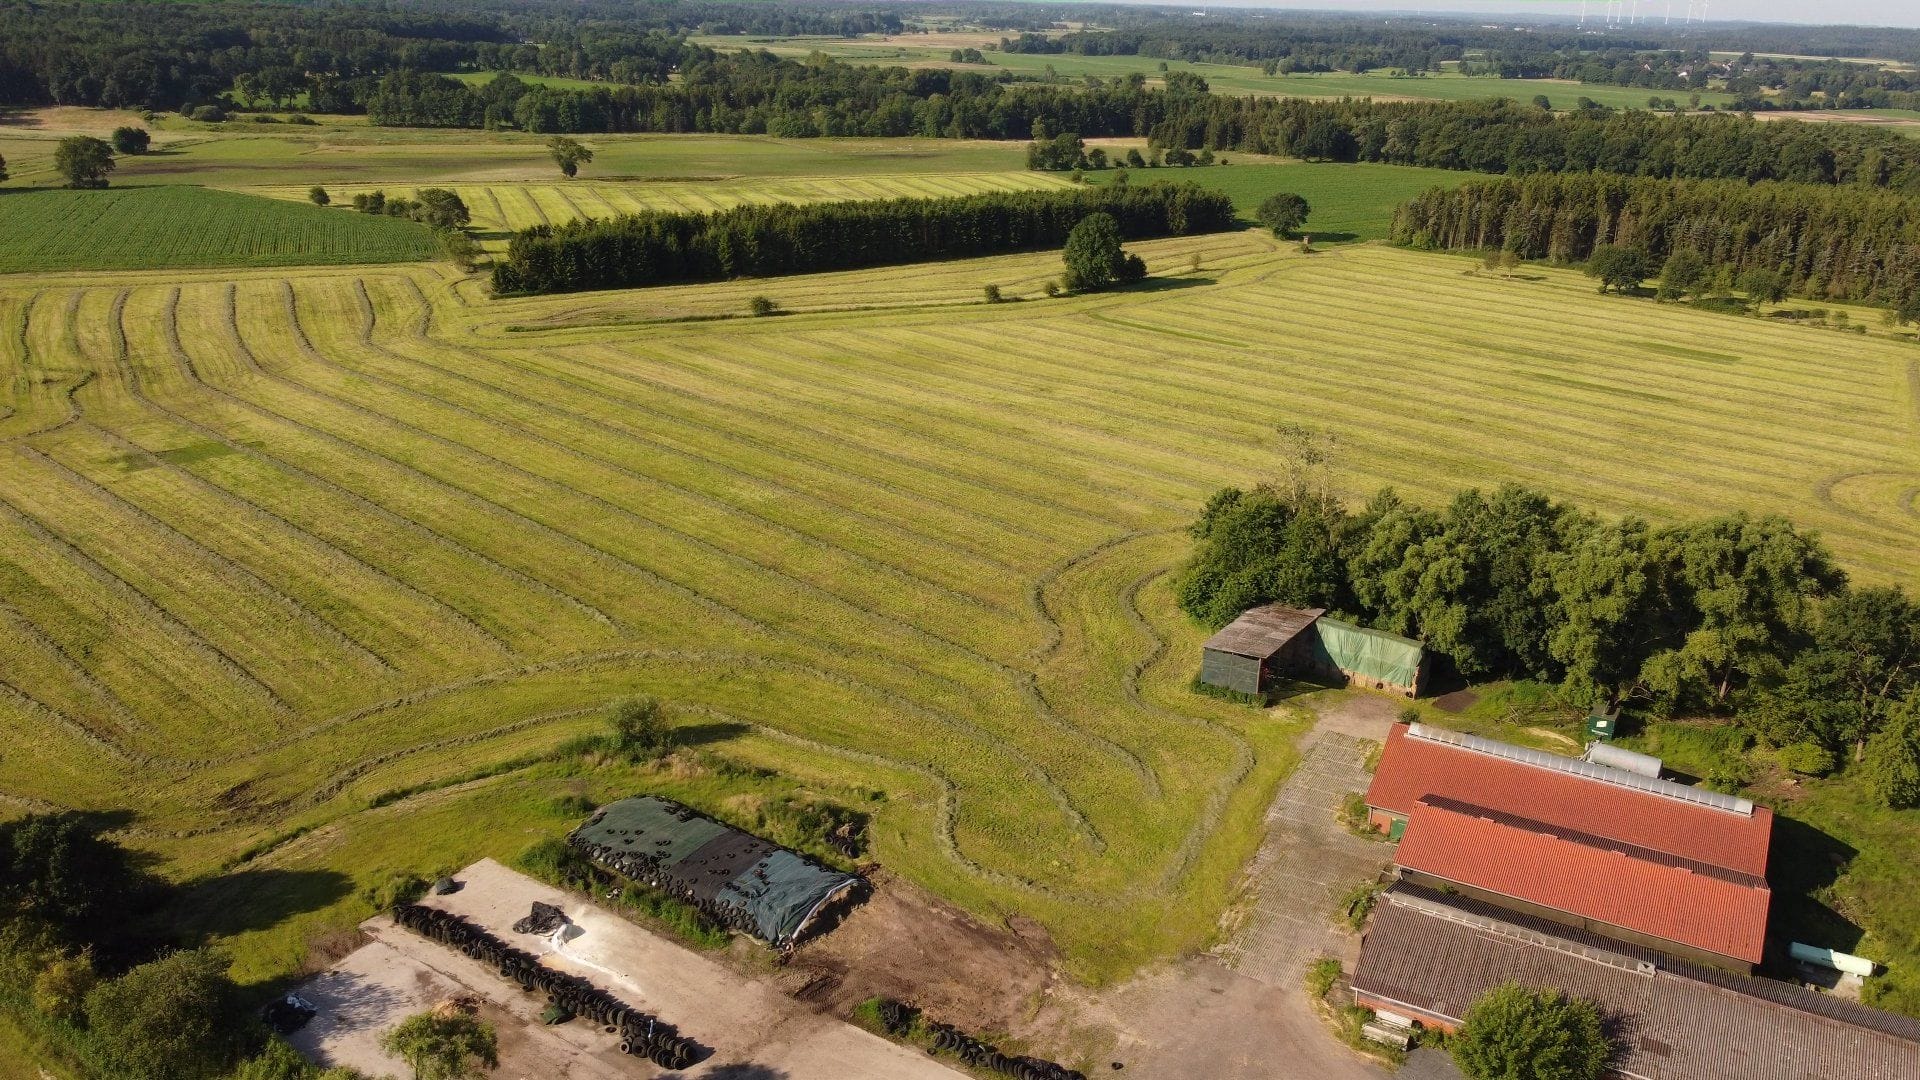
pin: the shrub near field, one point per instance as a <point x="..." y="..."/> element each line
<point x="165" y="227"/>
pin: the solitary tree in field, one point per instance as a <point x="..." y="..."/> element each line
<point x="3" y="170"/>
<point x="1618" y="268"/>
<point x="569" y="154"/>
<point x="131" y="140"/>
<point x="84" y="160"/>
<point x="1283" y="212"/>
<point x="444" y="1044"/>
<point x="442" y="209"/>
<point x="1540" y="101"/>
<point x="1094" y="258"/>
<point x="318" y="195"/>
<point x="1513" y="1033"/>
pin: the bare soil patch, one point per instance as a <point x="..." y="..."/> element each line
<point x="908" y="944"/>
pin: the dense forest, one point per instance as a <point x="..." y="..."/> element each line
<point x="158" y="55"/>
<point x="1737" y="616"/>
<point x="1825" y="242"/>
<point x="759" y="241"/>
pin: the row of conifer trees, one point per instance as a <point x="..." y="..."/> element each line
<point x="1827" y="242"/>
<point x="759" y="241"/>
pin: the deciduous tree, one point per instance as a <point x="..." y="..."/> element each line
<point x="569" y="154"/>
<point x="84" y="160"/>
<point x="131" y="140"/>
<point x="1094" y="258"/>
<point x="177" y="1018"/>
<point x="1514" y="1033"/>
<point x="1283" y="212"/>
<point x="444" y="1044"/>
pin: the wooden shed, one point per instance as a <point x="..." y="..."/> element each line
<point x="1263" y="642"/>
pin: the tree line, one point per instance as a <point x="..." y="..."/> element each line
<point x="758" y="93"/>
<point x="658" y="247"/>
<point x="1815" y="241"/>
<point x="1737" y="616"/>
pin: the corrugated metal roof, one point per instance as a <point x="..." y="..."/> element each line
<point x="1262" y="631"/>
<point x="1411" y="769"/>
<point x="1439" y="954"/>
<point x="1674" y="899"/>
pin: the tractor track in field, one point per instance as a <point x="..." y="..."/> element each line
<point x="421" y="333"/>
<point x="137" y="389"/>
<point x="184" y="363"/>
<point x="1065" y="803"/>
<point x="131" y="595"/>
<point x="898" y="574"/>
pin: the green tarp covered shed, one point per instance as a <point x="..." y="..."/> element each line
<point x="747" y="882"/>
<point x="1370" y="657"/>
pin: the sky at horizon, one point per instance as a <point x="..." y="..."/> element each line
<point x="1904" y="13"/>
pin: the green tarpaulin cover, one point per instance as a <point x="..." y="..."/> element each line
<point x="1371" y="654"/>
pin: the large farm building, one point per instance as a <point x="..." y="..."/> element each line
<point x="1646" y="896"/>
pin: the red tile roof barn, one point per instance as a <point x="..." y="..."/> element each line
<point x="1413" y="768"/>
<point x="1674" y="899"/>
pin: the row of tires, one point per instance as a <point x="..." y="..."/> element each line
<point x="640" y="1034"/>
<point x="898" y="1018"/>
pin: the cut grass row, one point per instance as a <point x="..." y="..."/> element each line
<point x="506" y="207"/>
<point x="370" y="538"/>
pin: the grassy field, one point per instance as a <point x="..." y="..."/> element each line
<point x="1350" y="202"/>
<point x="916" y="51"/>
<point x="275" y="544"/>
<point x="191" y="227"/>
<point x="245" y="156"/>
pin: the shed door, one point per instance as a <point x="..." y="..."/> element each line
<point x="1397" y="829"/>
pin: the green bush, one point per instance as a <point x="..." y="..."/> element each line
<point x="1321" y="975"/>
<point x="1807" y="759"/>
<point x="395" y="889"/>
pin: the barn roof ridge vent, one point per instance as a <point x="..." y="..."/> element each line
<point x="1604" y="774"/>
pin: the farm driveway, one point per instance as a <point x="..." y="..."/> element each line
<point x="1243" y="1014"/>
<point x="754" y="1030"/>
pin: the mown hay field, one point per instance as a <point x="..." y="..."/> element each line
<point x="191" y="227"/>
<point x="503" y="207"/>
<point x="277" y="544"/>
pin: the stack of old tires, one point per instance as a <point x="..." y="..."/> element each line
<point x="898" y="1020"/>
<point x="640" y="1034"/>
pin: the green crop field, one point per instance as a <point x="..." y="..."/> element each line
<point x="1350" y="202"/>
<point x="907" y="51"/>
<point x="277" y="543"/>
<point x="188" y="227"/>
